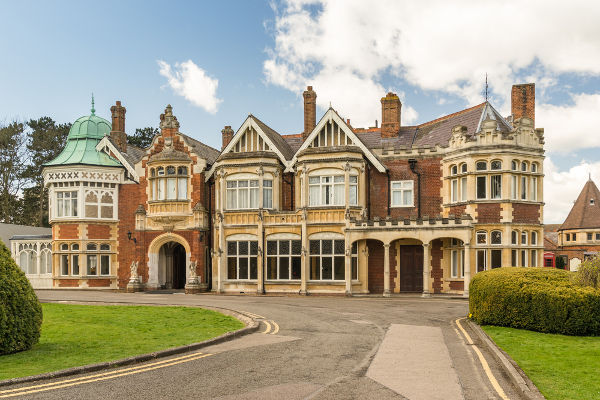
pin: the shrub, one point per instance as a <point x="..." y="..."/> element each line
<point x="588" y="273"/>
<point x="20" y="310"/>
<point x="538" y="299"/>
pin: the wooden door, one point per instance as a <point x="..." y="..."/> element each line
<point x="411" y="268"/>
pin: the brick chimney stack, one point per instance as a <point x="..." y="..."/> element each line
<point x="117" y="133"/>
<point x="522" y="101"/>
<point x="390" y="115"/>
<point x="310" y="111"/>
<point x="227" y="133"/>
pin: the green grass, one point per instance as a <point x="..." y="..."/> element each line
<point x="562" y="367"/>
<point x="74" y="335"/>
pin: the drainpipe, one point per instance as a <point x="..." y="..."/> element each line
<point x="388" y="192"/>
<point x="291" y="183"/>
<point x="412" y="163"/>
<point x="210" y="235"/>
<point x="368" y="191"/>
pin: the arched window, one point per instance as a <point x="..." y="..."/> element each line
<point x="514" y="165"/>
<point x="463" y="168"/>
<point x="524" y="237"/>
<point x="514" y="237"/>
<point x="481" y="166"/>
<point x="481" y="238"/>
<point x="64" y="247"/>
<point x="152" y="172"/>
<point x="533" y="167"/>
<point x="496" y="165"/>
<point x="533" y="238"/>
<point x="453" y="170"/>
<point x="524" y="166"/>
<point x="496" y="237"/>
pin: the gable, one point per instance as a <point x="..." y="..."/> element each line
<point x="332" y="131"/>
<point x="248" y="141"/>
<point x="107" y="146"/>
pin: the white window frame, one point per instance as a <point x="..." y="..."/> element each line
<point x="236" y="188"/>
<point x="484" y="179"/>
<point x="454" y="190"/>
<point x="67" y="207"/>
<point x="524" y="188"/>
<point x="493" y="194"/>
<point x="402" y="187"/>
<point x="479" y="234"/>
<point x="322" y="192"/>
<point x="514" y="187"/>
<point x="463" y="189"/>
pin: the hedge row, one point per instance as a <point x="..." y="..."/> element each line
<point x="537" y="299"/>
<point x="20" y="310"/>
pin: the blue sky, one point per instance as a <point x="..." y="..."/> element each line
<point x="215" y="62"/>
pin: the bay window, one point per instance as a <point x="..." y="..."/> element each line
<point x="98" y="261"/>
<point x="482" y="187"/>
<point x="454" y="190"/>
<point x="329" y="190"/>
<point x="267" y="193"/>
<point x="169" y="183"/>
<point x="283" y="259"/>
<point x="496" y="186"/>
<point x="463" y="188"/>
<point x="402" y="193"/>
<point x="98" y="204"/>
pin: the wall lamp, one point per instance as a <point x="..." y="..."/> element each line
<point x="129" y="237"/>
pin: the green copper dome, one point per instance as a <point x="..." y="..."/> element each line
<point x="83" y="137"/>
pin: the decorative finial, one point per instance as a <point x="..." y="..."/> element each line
<point x="93" y="109"/>
<point x="486" y="88"/>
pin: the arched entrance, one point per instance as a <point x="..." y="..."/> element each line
<point x="171" y="266"/>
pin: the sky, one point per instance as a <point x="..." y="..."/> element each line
<point x="217" y="62"/>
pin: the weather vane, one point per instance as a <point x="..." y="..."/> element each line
<point x="486" y="88"/>
<point x="93" y="109"/>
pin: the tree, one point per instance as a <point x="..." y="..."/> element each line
<point x="13" y="160"/>
<point x="46" y="140"/>
<point x="142" y="137"/>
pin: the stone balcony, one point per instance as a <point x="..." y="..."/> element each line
<point x="269" y="217"/>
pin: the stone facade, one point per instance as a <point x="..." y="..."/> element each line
<point x="336" y="209"/>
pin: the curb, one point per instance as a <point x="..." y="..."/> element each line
<point x="514" y="372"/>
<point x="251" y="326"/>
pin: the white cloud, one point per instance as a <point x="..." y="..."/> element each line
<point x="570" y="127"/>
<point x="190" y="81"/>
<point x="561" y="188"/>
<point x="433" y="44"/>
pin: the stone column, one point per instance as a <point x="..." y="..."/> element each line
<point x="426" y="269"/>
<point x="347" y="185"/>
<point x="260" y="289"/>
<point x="386" y="270"/>
<point x="305" y="260"/>
<point x="348" y="260"/>
<point x="467" y="272"/>
<point x="276" y="190"/>
<point x="261" y="176"/>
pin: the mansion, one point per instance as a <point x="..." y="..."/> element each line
<point x="335" y="209"/>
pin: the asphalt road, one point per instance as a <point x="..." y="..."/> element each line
<point x="314" y="347"/>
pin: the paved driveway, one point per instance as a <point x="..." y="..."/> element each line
<point x="314" y="347"/>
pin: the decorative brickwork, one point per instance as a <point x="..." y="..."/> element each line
<point x="98" y="231"/>
<point x="437" y="273"/>
<point x="67" y="231"/>
<point x="129" y="199"/>
<point x="390" y="115"/>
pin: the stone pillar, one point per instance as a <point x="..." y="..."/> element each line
<point x="386" y="270"/>
<point x="467" y="272"/>
<point x="276" y="190"/>
<point x="260" y="289"/>
<point x="305" y="259"/>
<point x="348" y="260"/>
<point x="347" y="185"/>
<point x="426" y="269"/>
<point x="261" y="176"/>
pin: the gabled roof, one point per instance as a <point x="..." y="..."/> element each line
<point x="126" y="160"/>
<point x="332" y="115"/>
<point x="203" y="150"/>
<point x="275" y="138"/>
<point x="586" y="210"/>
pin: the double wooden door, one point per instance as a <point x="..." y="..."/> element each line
<point x="411" y="268"/>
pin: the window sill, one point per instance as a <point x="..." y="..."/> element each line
<point x="393" y="206"/>
<point x="283" y="282"/>
<point x="85" y="277"/>
<point x="454" y="279"/>
<point x="169" y="201"/>
<point x="252" y="281"/>
<point x="330" y="282"/>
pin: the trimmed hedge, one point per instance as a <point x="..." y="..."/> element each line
<point x="20" y="310"/>
<point x="538" y="299"/>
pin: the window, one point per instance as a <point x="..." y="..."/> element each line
<point x="514" y="165"/>
<point x="93" y="257"/>
<point x="463" y="189"/>
<point x="481" y="166"/>
<point x="496" y="237"/>
<point x="513" y="258"/>
<point x="533" y="258"/>
<point x="524" y="166"/>
<point x="481" y="238"/>
<point x="28" y="261"/>
<point x="267" y="193"/>
<point x="454" y="190"/>
<point x="533" y="167"/>
<point x="514" y="236"/>
<point x="533" y="194"/>
<point x="242" y="194"/>
<point x="496" y="258"/>
<point x="283" y="259"/>
<point x="457" y="259"/>
<point x="242" y="260"/>
<point x="327" y="259"/>
<point x="402" y="193"/>
<point x="326" y="190"/>
<point x="597" y="236"/>
<point x="591" y="202"/>
<point x="514" y="190"/>
<point x="523" y="258"/>
<point x="589" y="236"/>
<point x="463" y="168"/>
<point x="481" y="187"/>
<point x="523" y="188"/>
<point x="64" y="264"/>
<point x="574" y="237"/>
<point x="496" y="186"/>
<point x="170" y="183"/>
<point x="454" y="262"/>
<point x="354" y="264"/>
<point x="496" y="165"/>
<point x="568" y="237"/>
<point x="66" y="204"/>
<point x="534" y="238"/>
<point x="353" y="200"/>
<point x="453" y="170"/>
<point x="75" y="264"/>
<point x="481" y="260"/>
<point x="523" y="237"/>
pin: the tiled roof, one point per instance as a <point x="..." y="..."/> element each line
<point x="586" y="210"/>
<point x="134" y="154"/>
<point x="8" y="231"/>
<point x="203" y="150"/>
<point x="294" y="141"/>
<point x="281" y="144"/>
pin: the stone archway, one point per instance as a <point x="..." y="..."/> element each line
<point x="168" y="262"/>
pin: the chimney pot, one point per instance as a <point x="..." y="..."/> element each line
<point x="117" y="133"/>
<point x="310" y="111"/>
<point x="391" y="108"/>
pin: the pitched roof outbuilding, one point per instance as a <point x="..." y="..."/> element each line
<point x="585" y="213"/>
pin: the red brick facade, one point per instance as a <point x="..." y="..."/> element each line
<point x="526" y="213"/>
<point x="488" y="213"/>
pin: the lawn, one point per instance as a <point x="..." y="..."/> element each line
<point x="562" y="367"/>
<point x="74" y="335"/>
